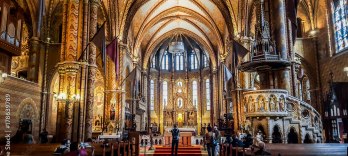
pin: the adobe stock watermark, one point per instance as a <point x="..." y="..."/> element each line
<point x="8" y="124"/>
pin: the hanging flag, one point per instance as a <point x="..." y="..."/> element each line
<point x="227" y="74"/>
<point x="113" y="53"/>
<point x="99" y="41"/>
<point x="239" y="51"/>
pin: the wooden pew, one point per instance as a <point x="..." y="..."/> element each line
<point x="33" y="149"/>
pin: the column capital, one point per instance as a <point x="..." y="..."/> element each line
<point x="71" y="67"/>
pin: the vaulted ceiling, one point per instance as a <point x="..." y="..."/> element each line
<point x="157" y="20"/>
<point x="142" y="24"/>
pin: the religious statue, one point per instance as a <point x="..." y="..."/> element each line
<point x="281" y="103"/>
<point x="180" y="103"/>
<point x="250" y="104"/>
<point x="261" y="104"/>
<point x="272" y="103"/>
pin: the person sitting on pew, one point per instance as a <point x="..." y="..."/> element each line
<point x="236" y="142"/>
<point x="74" y="150"/>
<point x="261" y="151"/>
<point x="248" y="140"/>
<point x="43" y="136"/>
<point x="28" y="138"/>
<point x="62" y="149"/>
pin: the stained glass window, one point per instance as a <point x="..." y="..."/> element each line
<point x="153" y="65"/>
<point x="165" y="61"/>
<point x="179" y="61"/>
<point x="205" y="61"/>
<point x="152" y="95"/>
<point x="340" y="20"/>
<point x="165" y="93"/>
<point x="194" y="93"/>
<point x="207" y="93"/>
<point x="194" y="61"/>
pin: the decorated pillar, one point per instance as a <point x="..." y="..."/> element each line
<point x="68" y="67"/>
<point x="214" y="113"/>
<point x="71" y="70"/>
<point x="92" y="70"/>
<point x="34" y="55"/>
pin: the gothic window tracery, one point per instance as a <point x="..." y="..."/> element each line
<point x="340" y="20"/>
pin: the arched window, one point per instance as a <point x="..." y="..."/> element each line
<point x="340" y="20"/>
<point x="194" y="93"/>
<point x="165" y="93"/>
<point x="205" y="61"/>
<point x="179" y="61"/>
<point x="152" y="95"/>
<point x="194" y="61"/>
<point x="165" y="61"/>
<point x="153" y="64"/>
<point x="207" y="93"/>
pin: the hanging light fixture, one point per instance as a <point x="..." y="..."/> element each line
<point x="176" y="46"/>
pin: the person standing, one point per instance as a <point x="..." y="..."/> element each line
<point x="217" y="139"/>
<point x="210" y="141"/>
<point x="175" y="141"/>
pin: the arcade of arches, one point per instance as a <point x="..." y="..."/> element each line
<point x="265" y="64"/>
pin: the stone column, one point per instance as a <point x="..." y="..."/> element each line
<point x="68" y="67"/>
<point x="269" y="128"/>
<point x="279" y="21"/>
<point x="34" y="55"/>
<point x="280" y="34"/>
<point x="91" y="70"/>
<point x="71" y="72"/>
<point x="214" y="95"/>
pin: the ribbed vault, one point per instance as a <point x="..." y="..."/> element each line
<point x="154" y="21"/>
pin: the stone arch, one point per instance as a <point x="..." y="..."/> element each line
<point x="260" y="129"/>
<point x="276" y="134"/>
<point x="27" y="110"/>
<point x="292" y="136"/>
<point x="308" y="139"/>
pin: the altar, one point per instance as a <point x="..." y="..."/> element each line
<point x="186" y="137"/>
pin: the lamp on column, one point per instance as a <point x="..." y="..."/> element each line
<point x="3" y="76"/>
<point x="62" y="97"/>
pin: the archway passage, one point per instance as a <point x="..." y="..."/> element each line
<point x="307" y="139"/>
<point x="292" y="136"/>
<point x="276" y="135"/>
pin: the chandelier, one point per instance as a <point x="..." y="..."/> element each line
<point x="176" y="46"/>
